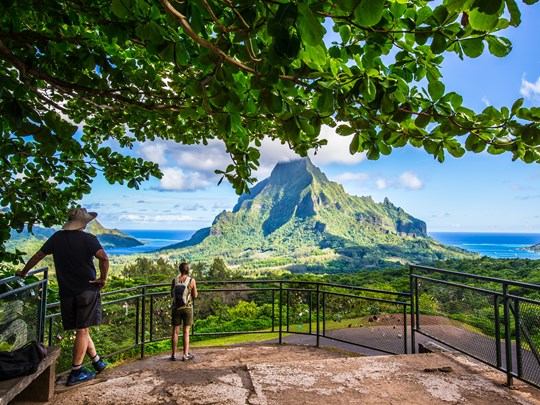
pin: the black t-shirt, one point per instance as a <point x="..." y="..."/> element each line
<point x="73" y="253"/>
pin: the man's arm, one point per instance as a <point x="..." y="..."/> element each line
<point x="103" y="268"/>
<point x="30" y="264"/>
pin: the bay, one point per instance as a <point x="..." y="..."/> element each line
<point x="496" y="245"/>
<point x="152" y="239"/>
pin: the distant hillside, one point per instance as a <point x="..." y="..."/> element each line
<point x="299" y="219"/>
<point x="109" y="238"/>
<point x="534" y="248"/>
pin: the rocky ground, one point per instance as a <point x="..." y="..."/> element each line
<point x="293" y="374"/>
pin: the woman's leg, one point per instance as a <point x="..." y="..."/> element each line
<point x="174" y="339"/>
<point x="185" y="339"/>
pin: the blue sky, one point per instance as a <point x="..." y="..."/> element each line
<point x="475" y="193"/>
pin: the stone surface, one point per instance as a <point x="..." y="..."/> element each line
<point x="290" y="374"/>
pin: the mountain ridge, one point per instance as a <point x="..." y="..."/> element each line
<point x="297" y="213"/>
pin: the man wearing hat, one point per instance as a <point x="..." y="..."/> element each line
<point x="73" y="252"/>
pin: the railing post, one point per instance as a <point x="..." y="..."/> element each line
<point x="317" y="316"/>
<point x="310" y="312"/>
<point x="413" y="287"/>
<point x="143" y="321"/>
<point x="287" y="309"/>
<point x="151" y="326"/>
<point x="405" y="328"/>
<point x="519" y="353"/>
<point x="497" y="320"/>
<point x="507" y="336"/>
<point x="323" y="313"/>
<point x="43" y="305"/>
<point x="273" y="310"/>
<point x="280" y="312"/>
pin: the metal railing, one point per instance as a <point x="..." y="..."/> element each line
<point x="22" y="309"/>
<point x="492" y="321"/>
<point x="134" y="318"/>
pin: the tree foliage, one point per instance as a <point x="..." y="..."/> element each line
<point x="191" y="71"/>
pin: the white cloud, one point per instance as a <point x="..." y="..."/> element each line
<point x="349" y="177"/>
<point x="530" y="90"/>
<point x="175" y="179"/>
<point x="176" y="160"/>
<point x="486" y="101"/>
<point x="153" y="218"/>
<point x="411" y="181"/>
<point x="154" y="152"/>
<point x="336" y="151"/>
<point x="381" y="184"/>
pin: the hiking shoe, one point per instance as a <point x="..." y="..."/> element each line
<point x="172" y="358"/>
<point x="99" y="366"/>
<point x="188" y="357"/>
<point x="83" y="376"/>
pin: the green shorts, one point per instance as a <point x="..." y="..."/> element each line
<point x="182" y="315"/>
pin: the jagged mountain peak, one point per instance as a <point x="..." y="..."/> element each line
<point x="297" y="210"/>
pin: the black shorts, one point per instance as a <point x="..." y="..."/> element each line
<point x="81" y="311"/>
<point x="182" y="315"/>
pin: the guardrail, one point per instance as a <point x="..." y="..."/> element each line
<point x="135" y="317"/>
<point x="22" y="309"/>
<point x="493" y="321"/>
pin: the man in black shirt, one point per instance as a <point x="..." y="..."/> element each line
<point x="73" y="252"/>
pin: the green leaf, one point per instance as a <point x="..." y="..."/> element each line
<point x="438" y="44"/>
<point x="531" y="135"/>
<point x="436" y="90"/>
<point x="482" y="21"/>
<point x="311" y="29"/>
<point x="355" y="144"/>
<point x="149" y="31"/>
<point x="369" y="12"/>
<point x="325" y="102"/>
<point x="347" y="5"/>
<point x="515" y="14"/>
<point x="345" y="33"/>
<point x="119" y="8"/>
<point x="499" y="46"/>
<point x="472" y="47"/>
<point x="422" y="120"/>
<point x="344" y="130"/>
<point x="516" y="106"/>
<point x="181" y="55"/>
<point x="488" y="6"/>
<point x="456" y="6"/>
<point x="284" y="19"/>
<point x="475" y="144"/>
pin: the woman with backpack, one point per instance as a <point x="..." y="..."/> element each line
<point x="183" y="291"/>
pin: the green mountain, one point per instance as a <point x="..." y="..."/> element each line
<point x="30" y="242"/>
<point x="300" y="220"/>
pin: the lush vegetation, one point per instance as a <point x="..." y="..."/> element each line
<point x="249" y="304"/>
<point x="237" y="72"/>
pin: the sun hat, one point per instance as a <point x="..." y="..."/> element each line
<point x="78" y="219"/>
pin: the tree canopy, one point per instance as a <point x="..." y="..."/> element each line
<point x="238" y="71"/>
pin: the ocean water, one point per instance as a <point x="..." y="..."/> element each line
<point x="496" y="245"/>
<point x="152" y="239"/>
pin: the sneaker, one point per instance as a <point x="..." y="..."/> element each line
<point x="172" y="358"/>
<point x="99" y="366"/>
<point x="188" y="357"/>
<point x="83" y="376"/>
